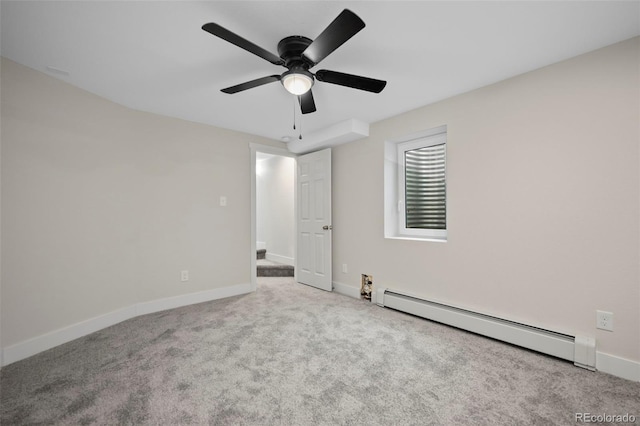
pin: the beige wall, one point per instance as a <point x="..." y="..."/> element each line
<point x="543" y="201"/>
<point x="103" y="206"/>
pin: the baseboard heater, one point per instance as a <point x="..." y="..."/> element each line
<point x="580" y="350"/>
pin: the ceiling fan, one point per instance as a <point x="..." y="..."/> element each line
<point x="298" y="54"/>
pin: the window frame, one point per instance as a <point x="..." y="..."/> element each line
<point x="439" y="139"/>
<point x="394" y="194"/>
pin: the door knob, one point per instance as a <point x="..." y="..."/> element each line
<point x="327" y="227"/>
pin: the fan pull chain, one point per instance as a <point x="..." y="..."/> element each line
<point x="294" y="113"/>
<point x="294" y="116"/>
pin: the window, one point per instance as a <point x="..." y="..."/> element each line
<point x="415" y="187"/>
<point x="422" y="192"/>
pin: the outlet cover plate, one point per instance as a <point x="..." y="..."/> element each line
<point x="604" y="320"/>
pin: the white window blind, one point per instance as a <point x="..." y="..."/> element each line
<point x="421" y="188"/>
<point x="425" y="189"/>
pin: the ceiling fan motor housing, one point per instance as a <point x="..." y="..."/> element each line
<point x="290" y="50"/>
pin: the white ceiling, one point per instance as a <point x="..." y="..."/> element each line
<point x="153" y="55"/>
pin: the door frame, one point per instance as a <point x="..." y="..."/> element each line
<point x="267" y="149"/>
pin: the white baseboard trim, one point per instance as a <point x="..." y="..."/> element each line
<point x="55" y="338"/>
<point x="191" y="299"/>
<point x="617" y="366"/>
<point x="280" y="259"/>
<point x="52" y="339"/>
<point x="346" y="290"/>
<point x="605" y="363"/>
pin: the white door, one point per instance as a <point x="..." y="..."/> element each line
<point x="314" y="219"/>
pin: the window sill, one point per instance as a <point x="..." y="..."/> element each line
<point x="414" y="238"/>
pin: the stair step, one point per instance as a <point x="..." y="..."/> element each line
<point x="275" y="272"/>
<point x="267" y="268"/>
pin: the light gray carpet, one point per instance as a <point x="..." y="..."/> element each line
<point x="293" y="355"/>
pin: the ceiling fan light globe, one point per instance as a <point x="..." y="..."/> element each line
<point x="297" y="84"/>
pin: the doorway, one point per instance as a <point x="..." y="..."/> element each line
<point x="273" y="213"/>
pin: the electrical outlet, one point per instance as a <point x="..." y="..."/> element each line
<point x="184" y="275"/>
<point x="604" y="320"/>
<point x="344" y="268"/>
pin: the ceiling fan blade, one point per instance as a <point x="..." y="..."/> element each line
<point x="242" y="43"/>
<point x="350" y="80"/>
<point x="251" y="84"/>
<point x="307" y="105"/>
<point x="345" y="26"/>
